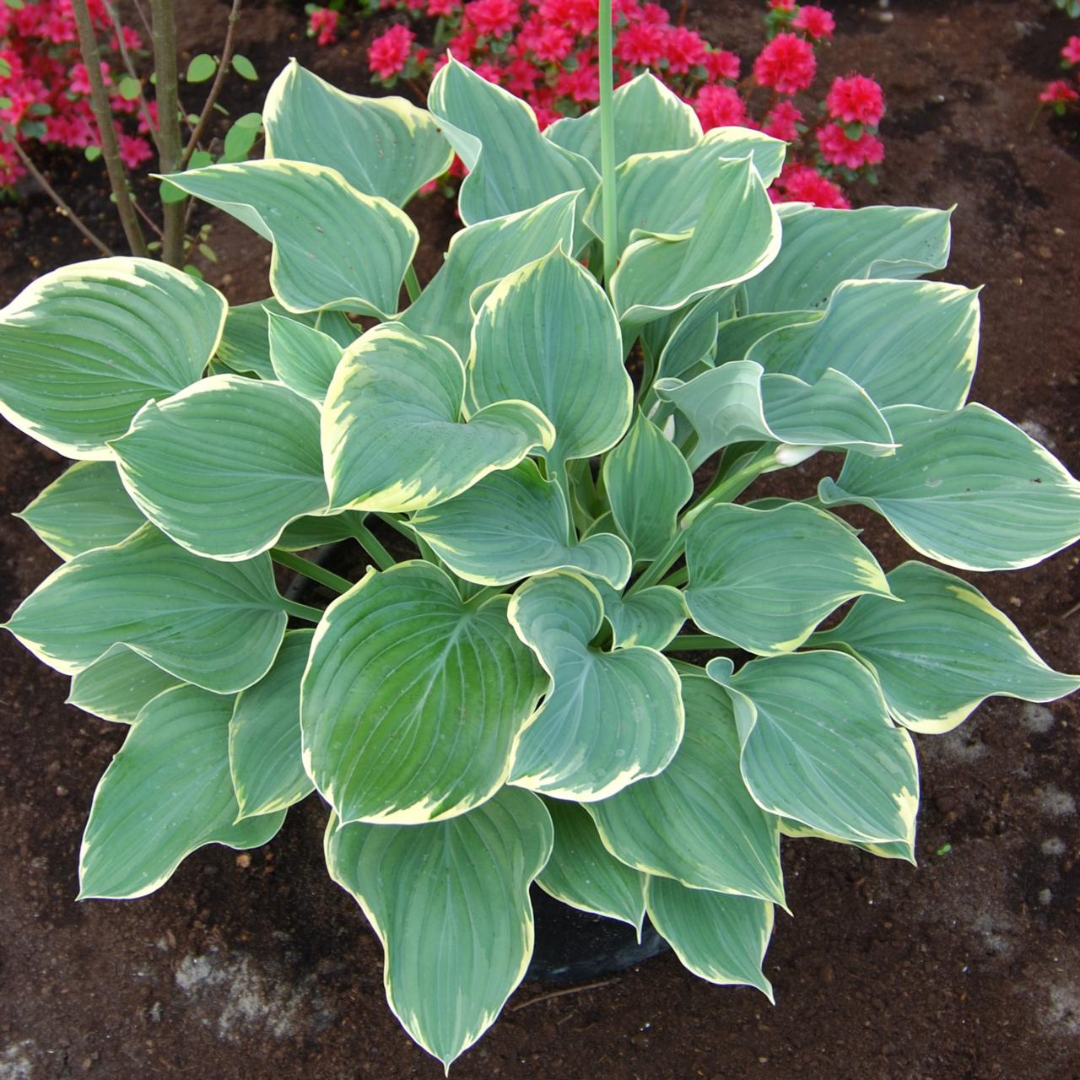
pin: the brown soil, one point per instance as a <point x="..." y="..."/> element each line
<point x="965" y="969"/>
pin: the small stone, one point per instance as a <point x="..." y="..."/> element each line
<point x="243" y="860"/>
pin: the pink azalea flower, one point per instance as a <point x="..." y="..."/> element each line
<point x="837" y="149"/>
<point x="388" y="53"/>
<point x="856" y="100"/>
<point x="787" y="64"/>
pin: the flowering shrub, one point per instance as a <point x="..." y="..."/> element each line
<point x="507" y="704"/>
<point x="545" y="52"/>
<point x="44" y="90"/>
<point x="1061" y="94"/>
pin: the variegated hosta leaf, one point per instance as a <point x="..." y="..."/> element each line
<point x="382" y="146"/>
<point x="693" y="340"/>
<point x="217" y="625"/>
<point x="738" y="402"/>
<point x="764" y="579"/>
<point x="547" y="334"/>
<point x="117" y="686"/>
<point x="166" y="793"/>
<point x="943" y="651"/>
<point x="223" y="466"/>
<point x="645" y="182"/>
<point x="86" y="507"/>
<point x="903" y="342"/>
<point x="718" y="937"/>
<point x="889" y="849"/>
<point x="413" y="700"/>
<point x="651" y="617"/>
<point x="736" y="237"/>
<point x="610" y="718"/>
<point x="736" y="336"/>
<point x="584" y="874"/>
<point x="392" y="434"/>
<point x="315" y="531"/>
<point x="520" y="168"/>
<point x="818" y="746"/>
<point x="513" y="524"/>
<point x="696" y="821"/>
<point x="84" y="347"/>
<point x="334" y="246"/>
<point x="481" y="255"/>
<point x="825" y="247"/>
<point x="648" y="482"/>
<point x="265" y="758"/>
<point x="450" y="903"/>
<point x="648" y="117"/>
<point x="966" y="488"/>
<point x="245" y="341"/>
<point x="303" y="358"/>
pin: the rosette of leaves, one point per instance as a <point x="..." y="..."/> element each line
<point x="508" y="706"/>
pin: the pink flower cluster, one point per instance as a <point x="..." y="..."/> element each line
<point x="44" y="86"/>
<point x="545" y="51"/>
<point x="1062" y="93"/>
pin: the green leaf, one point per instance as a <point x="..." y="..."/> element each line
<point x="610" y="718"/>
<point x="513" y="524"/>
<point x="818" y="746"/>
<point x="413" y="700"/>
<point x="521" y="169"/>
<point x="903" y="342"/>
<point x="383" y="146"/>
<point x="943" y="651"/>
<point x="91" y="153"/>
<point x="265" y="758"/>
<point x="892" y="849"/>
<point x="736" y="237"/>
<point x="450" y="903"/>
<point x="334" y="247"/>
<point x="648" y="117"/>
<point x="479" y="257"/>
<point x="225" y="465"/>
<point x="693" y="339"/>
<point x="165" y="794"/>
<point x="129" y="88"/>
<point x="648" y="482"/>
<point x="86" y="507"/>
<point x="249" y="120"/>
<point x="392" y="435"/>
<point x="651" y="617"/>
<point x="735" y="337"/>
<point x="117" y="686"/>
<point x="644" y="183"/>
<point x="244" y="68"/>
<point x="583" y="873"/>
<point x="696" y="821"/>
<point x="85" y="346"/>
<point x="213" y="624"/>
<point x="738" y="402"/>
<point x="238" y="142"/>
<point x="764" y="579"/>
<point x="825" y="247"/>
<point x="245" y="342"/>
<point x="547" y="334"/>
<point x="312" y="532"/>
<point x="304" y="358"/>
<point x="201" y="68"/>
<point x="966" y="488"/>
<point x="719" y="938"/>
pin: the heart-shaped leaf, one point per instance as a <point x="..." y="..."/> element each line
<point x="166" y="793"/>
<point x="966" y="488"/>
<point x="303" y="358"/>
<point x="513" y="524"/>
<point x="696" y="821"/>
<point x="392" y="433"/>
<point x="84" y="347"/>
<point x="382" y="146"/>
<point x="547" y="334"/>
<point x="764" y="579"/>
<point x="450" y="903"/>
<point x="413" y="699"/>
<point x="943" y="651"/>
<point x="651" y="617"/>
<point x="818" y="746"/>
<point x="225" y="465"/>
<point x="265" y="758"/>
<point x="217" y="625"/>
<point x="610" y="718"/>
<point x="356" y="264"/>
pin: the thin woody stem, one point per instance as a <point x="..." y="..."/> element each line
<point x="215" y="86"/>
<point x="129" y="67"/>
<point x="607" y="145"/>
<point x="110" y="146"/>
<point x="168" y="99"/>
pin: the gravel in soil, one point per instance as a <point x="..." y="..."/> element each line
<point x="968" y="967"/>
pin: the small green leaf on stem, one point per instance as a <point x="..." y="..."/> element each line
<point x="201" y="68"/>
<point x="244" y="67"/>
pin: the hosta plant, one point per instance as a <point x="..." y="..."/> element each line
<point x="624" y="312"/>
